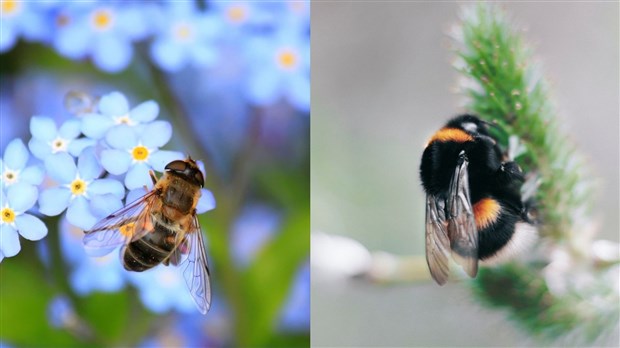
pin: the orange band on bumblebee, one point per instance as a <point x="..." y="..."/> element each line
<point x="451" y="134"/>
<point x="486" y="212"/>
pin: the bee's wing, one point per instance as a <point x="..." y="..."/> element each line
<point x="195" y="267"/>
<point x="461" y="221"/>
<point x="116" y="229"/>
<point x="437" y="242"/>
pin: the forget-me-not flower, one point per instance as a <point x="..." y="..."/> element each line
<point x="280" y="68"/>
<point x="255" y="225"/>
<point x="113" y="110"/>
<point x="14" y="220"/>
<point x="295" y="315"/>
<point x="20" y="18"/>
<point x="86" y="198"/>
<point x="47" y="139"/>
<point x="13" y="166"/>
<point x="135" y="150"/>
<point x="186" y="37"/>
<point x="163" y="288"/>
<point x="103" y="31"/>
<point x="88" y="274"/>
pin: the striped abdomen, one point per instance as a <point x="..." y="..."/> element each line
<point x="150" y="250"/>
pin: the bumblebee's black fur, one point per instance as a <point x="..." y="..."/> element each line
<point x="489" y="177"/>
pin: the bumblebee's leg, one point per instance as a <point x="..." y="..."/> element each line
<point x="153" y="177"/>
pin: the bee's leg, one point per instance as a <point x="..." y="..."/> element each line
<point x="153" y="177"/>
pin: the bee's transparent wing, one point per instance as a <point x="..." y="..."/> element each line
<point x="437" y="242"/>
<point x="121" y="227"/>
<point x="462" y="230"/>
<point x="195" y="267"/>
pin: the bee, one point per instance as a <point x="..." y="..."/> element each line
<point x="474" y="209"/>
<point x="161" y="227"/>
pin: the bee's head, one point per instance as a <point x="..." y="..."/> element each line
<point x="471" y="124"/>
<point x="187" y="169"/>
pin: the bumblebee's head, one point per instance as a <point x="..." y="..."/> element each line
<point x="470" y="124"/>
<point x="187" y="169"/>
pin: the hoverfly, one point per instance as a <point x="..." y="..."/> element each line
<point x="161" y="227"/>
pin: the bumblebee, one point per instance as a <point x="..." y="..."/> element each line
<point x="474" y="209"/>
<point x="161" y="227"/>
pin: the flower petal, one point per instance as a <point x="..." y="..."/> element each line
<point x="159" y="159"/>
<point x="78" y="145"/>
<point x="95" y="125"/>
<point x="79" y="214"/>
<point x="54" y="200"/>
<point x="39" y="148"/>
<point x="168" y="55"/>
<point x="145" y="112"/>
<point x="32" y="175"/>
<point x="156" y="134"/>
<point x="115" y="161"/>
<point x="9" y="241"/>
<point x="107" y="186"/>
<point x="206" y="201"/>
<point x="70" y="129"/>
<point x="135" y="194"/>
<point x="30" y="227"/>
<point x="112" y="53"/>
<point x="88" y="167"/>
<point x="122" y="137"/>
<point x="137" y="176"/>
<point x="21" y="196"/>
<point x="114" y="104"/>
<point x="43" y="128"/>
<point x="16" y="155"/>
<point x="60" y="167"/>
<point x="104" y="205"/>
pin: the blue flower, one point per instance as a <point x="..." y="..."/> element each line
<point x="296" y="313"/>
<point x="13" y="166"/>
<point x="47" y="139"/>
<point x="113" y="111"/>
<point x="186" y="37"/>
<point x="135" y="150"/>
<point x="18" y="199"/>
<point x="85" y="197"/>
<point x="162" y="289"/>
<point x="255" y="225"/>
<point x="280" y="68"/>
<point x="60" y="312"/>
<point x="102" y="31"/>
<point x="19" y="18"/>
<point x="88" y="273"/>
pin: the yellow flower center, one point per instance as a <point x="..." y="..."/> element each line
<point x="59" y="145"/>
<point x="124" y="120"/>
<point x="127" y="230"/>
<point x="140" y="153"/>
<point x="10" y="176"/>
<point x="183" y="32"/>
<point x="78" y="187"/>
<point x="237" y="14"/>
<point x="8" y="215"/>
<point x="102" y="260"/>
<point x="102" y="19"/>
<point x="287" y="59"/>
<point x="10" y="8"/>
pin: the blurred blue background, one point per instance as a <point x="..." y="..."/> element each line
<point x="233" y="80"/>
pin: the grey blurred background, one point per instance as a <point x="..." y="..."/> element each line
<point x="382" y="83"/>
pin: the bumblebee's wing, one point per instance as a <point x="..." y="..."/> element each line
<point x="437" y="242"/>
<point x="195" y="267"/>
<point x="121" y="227"/>
<point x="461" y="222"/>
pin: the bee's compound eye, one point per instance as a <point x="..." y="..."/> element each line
<point x="199" y="178"/>
<point x="177" y="166"/>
